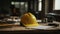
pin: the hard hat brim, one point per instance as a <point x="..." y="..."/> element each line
<point x="31" y="25"/>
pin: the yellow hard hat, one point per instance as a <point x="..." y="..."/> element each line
<point x="29" y="19"/>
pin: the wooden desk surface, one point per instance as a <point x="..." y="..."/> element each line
<point x="11" y="27"/>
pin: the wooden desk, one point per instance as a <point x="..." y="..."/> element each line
<point x="14" y="27"/>
<point x="20" y="29"/>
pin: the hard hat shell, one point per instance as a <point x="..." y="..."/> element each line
<point x="28" y="19"/>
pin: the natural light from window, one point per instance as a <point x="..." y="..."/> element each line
<point x="57" y="5"/>
<point x="40" y="5"/>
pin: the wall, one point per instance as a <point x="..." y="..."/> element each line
<point x="5" y="4"/>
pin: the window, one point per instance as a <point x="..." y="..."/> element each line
<point x="22" y="6"/>
<point x="56" y="5"/>
<point x="40" y="5"/>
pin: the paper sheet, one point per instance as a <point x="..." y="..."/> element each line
<point x="41" y="27"/>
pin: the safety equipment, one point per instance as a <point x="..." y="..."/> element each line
<point x="28" y="19"/>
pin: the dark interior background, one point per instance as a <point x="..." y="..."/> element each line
<point x="6" y="4"/>
<point x="47" y="7"/>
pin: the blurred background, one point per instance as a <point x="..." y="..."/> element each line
<point x="42" y="9"/>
